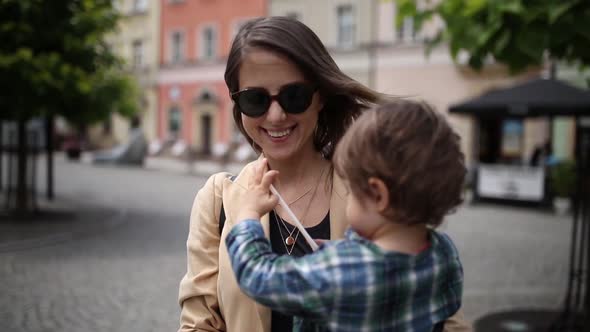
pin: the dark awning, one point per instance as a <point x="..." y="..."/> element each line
<point x="538" y="97"/>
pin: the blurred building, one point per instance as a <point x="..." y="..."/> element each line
<point x="367" y="44"/>
<point x="180" y="60"/>
<point x="564" y="127"/>
<point x="346" y="27"/>
<point x="136" y="41"/>
<point x="194" y="108"/>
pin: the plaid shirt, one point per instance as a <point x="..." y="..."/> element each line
<point x="351" y="284"/>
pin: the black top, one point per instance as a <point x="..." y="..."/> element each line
<point x="280" y="322"/>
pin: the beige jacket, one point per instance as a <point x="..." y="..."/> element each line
<point x="209" y="295"/>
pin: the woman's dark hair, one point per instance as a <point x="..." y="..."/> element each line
<point x="344" y="98"/>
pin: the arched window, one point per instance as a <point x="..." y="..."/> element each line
<point x="205" y="96"/>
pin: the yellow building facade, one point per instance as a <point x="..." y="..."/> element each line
<point x="136" y="41"/>
<point x="362" y="37"/>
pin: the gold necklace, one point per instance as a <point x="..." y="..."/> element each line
<point x="300" y="197"/>
<point x="290" y="240"/>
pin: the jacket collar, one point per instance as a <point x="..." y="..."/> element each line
<point x="232" y="190"/>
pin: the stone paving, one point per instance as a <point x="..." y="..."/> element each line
<point x="124" y="275"/>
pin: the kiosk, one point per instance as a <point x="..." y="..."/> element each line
<point x="501" y="177"/>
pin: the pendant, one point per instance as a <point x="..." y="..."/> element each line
<point x="289" y="241"/>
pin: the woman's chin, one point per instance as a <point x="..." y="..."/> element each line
<point x="278" y="155"/>
<point x="286" y="151"/>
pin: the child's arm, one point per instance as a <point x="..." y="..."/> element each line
<point x="298" y="286"/>
<point x="283" y="283"/>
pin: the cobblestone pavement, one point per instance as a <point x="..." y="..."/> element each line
<point x="125" y="277"/>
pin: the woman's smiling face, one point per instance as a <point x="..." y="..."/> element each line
<point x="280" y="135"/>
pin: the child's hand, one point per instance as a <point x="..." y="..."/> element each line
<point x="258" y="200"/>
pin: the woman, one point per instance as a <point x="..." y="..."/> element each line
<point x="292" y="103"/>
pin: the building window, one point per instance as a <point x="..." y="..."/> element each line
<point x="111" y="47"/>
<point x="177" y="47"/>
<point x="118" y="5"/>
<point x="208" y="42"/>
<point x="205" y="96"/>
<point x="140" y="5"/>
<point x="137" y="53"/>
<point x="346" y="25"/>
<point x="406" y="32"/>
<point x="174" y="121"/>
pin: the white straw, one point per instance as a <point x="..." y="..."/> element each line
<point x="285" y="206"/>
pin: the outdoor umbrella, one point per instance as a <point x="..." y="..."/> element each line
<point x="538" y="97"/>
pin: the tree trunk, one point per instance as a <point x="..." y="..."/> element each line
<point x="22" y="195"/>
<point x="1" y="154"/>
<point x="553" y="69"/>
<point x="49" y="155"/>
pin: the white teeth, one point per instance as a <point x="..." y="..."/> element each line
<point x="277" y="134"/>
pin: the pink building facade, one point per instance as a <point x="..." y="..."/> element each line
<point x="195" y="37"/>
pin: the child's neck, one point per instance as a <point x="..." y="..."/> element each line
<point x="408" y="239"/>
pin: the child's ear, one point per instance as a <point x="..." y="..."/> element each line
<point x="380" y="194"/>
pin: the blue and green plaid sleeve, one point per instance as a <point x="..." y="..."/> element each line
<point x="350" y="285"/>
<point x="297" y="286"/>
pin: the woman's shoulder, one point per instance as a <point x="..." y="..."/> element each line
<point x="215" y="182"/>
<point x="338" y="186"/>
<point x="216" y="179"/>
<point x="243" y="173"/>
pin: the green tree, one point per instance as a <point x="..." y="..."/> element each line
<point x="517" y="33"/>
<point x="54" y="61"/>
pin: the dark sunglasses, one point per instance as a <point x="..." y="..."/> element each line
<point x="294" y="98"/>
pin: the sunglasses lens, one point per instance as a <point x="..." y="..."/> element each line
<point x="296" y="98"/>
<point x="253" y="102"/>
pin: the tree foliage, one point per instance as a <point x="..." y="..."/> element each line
<point x="518" y="33"/>
<point x="54" y="60"/>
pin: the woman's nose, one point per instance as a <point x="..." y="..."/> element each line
<point x="275" y="112"/>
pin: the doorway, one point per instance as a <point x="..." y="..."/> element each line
<point x="206" y="134"/>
